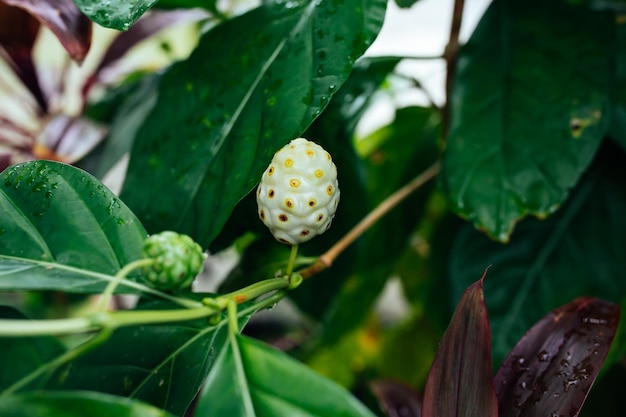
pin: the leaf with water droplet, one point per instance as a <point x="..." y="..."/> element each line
<point x="563" y="354"/>
<point x="266" y="74"/>
<point x="58" y="233"/>
<point x="114" y="14"/>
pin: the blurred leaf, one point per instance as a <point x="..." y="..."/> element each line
<point x="397" y="399"/>
<point x="62" y="229"/>
<point x="617" y="129"/>
<point x="67" y="23"/>
<point x="145" y="27"/>
<point x="252" y="379"/>
<point x="114" y="14"/>
<point x="527" y="112"/>
<point x="18" y="31"/>
<point x="578" y="251"/>
<point x="405" y="4"/>
<point x="21" y="355"/>
<point x="407" y="350"/>
<point x="218" y="121"/>
<point x="459" y="382"/>
<point x="151" y="362"/>
<point x="130" y="114"/>
<point x="551" y="369"/>
<point x="407" y="148"/>
<point x="67" y="138"/>
<point x="74" y="404"/>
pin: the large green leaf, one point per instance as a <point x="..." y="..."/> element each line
<point x="529" y="108"/>
<point x="578" y="251"/>
<point x="21" y="355"/>
<point x="74" y="404"/>
<point x="115" y="14"/>
<point x="252" y="84"/>
<point x="163" y="364"/>
<point x="62" y="229"/>
<point x="252" y="379"/>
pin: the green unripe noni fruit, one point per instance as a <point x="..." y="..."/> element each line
<point x="299" y="192"/>
<point x="177" y="260"/>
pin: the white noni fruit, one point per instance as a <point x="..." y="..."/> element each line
<point x="298" y="194"/>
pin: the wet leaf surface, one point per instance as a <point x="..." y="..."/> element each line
<point x="552" y="368"/>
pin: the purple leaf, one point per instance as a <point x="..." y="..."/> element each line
<point x="397" y="399"/>
<point x="18" y="31"/>
<point x="551" y="369"/>
<point x="62" y="17"/>
<point x="460" y="380"/>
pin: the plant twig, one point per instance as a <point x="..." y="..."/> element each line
<point x="450" y="55"/>
<point x="383" y="208"/>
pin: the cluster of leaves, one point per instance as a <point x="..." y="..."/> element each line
<point x="534" y="125"/>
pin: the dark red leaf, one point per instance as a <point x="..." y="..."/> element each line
<point x="551" y="369"/>
<point x="18" y="31"/>
<point x="460" y="380"/>
<point x="62" y="17"/>
<point x="397" y="399"/>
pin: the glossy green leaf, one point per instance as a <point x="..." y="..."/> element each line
<point x="527" y="113"/>
<point x="460" y="380"/>
<point x="114" y="14"/>
<point x="62" y="229"/>
<point x="150" y="363"/>
<point x="252" y="84"/>
<point x="21" y="355"/>
<point x="74" y="404"/>
<point x="576" y="252"/>
<point x="252" y="379"/>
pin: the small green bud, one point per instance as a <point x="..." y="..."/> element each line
<point x="177" y="261"/>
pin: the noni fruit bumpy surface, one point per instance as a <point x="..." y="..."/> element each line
<point x="299" y="192"/>
<point x="177" y="260"/>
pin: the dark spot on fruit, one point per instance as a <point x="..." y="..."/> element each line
<point x="270" y="194"/>
<point x="283" y="217"/>
<point x="304" y="232"/>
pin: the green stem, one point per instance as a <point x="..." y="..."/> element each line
<point x="134" y="317"/>
<point x="253" y="291"/>
<point x="68" y="356"/>
<point x="20" y="328"/>
<point x="292" y="260"/>
<point x="121" y="274"/>
<point x="233" y="319"/>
